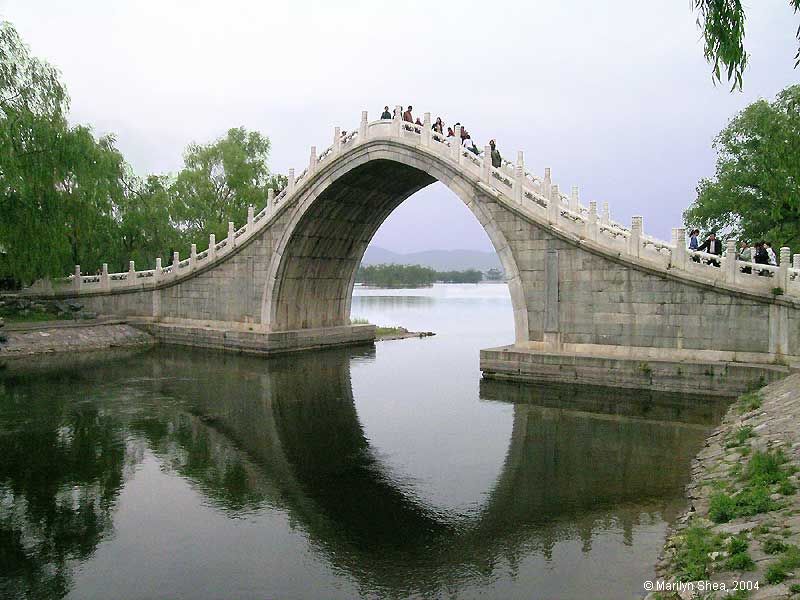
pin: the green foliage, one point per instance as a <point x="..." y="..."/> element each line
<point x="219" y="181"/>
<point x="738" y="558"/>
<point x="748" y="402"/>
<point x="692" y="558"/>
<point x="751" y="500"/>
<point x="773" y="546"/>
<point x="765" y="468"/>
<point x="779" y="570"/>
<point x="723" y="26"/>
<point x="722" y="508"/>
<point x="741" y="435"/>
<point x="755" y="193"/>
<point x="795" y="588"/>
<point x="394" y="276"/>
<point x="68" y="198"/>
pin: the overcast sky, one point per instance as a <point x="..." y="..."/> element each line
<point x="615" y="96"/>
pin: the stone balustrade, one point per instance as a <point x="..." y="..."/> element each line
<point x="537" y="197"/>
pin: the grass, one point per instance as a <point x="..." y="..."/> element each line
<point x="763" y="470"/>
<point x="773" y="545"/>
<point x="795" y="588"/>
<point x="749" y="401"/>
<point x="738" y="558"/>
<point x="32" y="317"/>
<point x="390" y="330"/>
<point x="359" y="321"/>
<point x="692" y="559"/>
<point x="741" y="435"/>
<point x="779" y="570"/>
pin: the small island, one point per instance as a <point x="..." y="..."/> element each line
<point x="409" y="276"/>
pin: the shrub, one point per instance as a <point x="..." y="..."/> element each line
<point x="773" y="546"/>
<point x="752" y="500"/>
<point x="766" y="468"/>
<point x="692" y="559"/>
<point x="749" y="401"/>
<point x="722" y="508"/>
<point x="779" y="570"/>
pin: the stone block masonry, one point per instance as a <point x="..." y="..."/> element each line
<point x="581" y="284"/>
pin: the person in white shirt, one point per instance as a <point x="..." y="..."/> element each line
<point x="773" y="260"/>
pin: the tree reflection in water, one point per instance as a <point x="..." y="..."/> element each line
<point x="253" y="434"/>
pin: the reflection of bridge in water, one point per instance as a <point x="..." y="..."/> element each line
<point x="285" y="433"/>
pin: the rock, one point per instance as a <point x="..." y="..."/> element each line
<point x="771" y="592"/>
<point x="85" y="314"/>
<point x="734" y="528"/>
<point x="74" y="306"/>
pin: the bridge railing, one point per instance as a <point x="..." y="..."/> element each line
<point x="537" y="196"/>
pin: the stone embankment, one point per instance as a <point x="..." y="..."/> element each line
<point x="22" y="340"/>
<point x="742" y="529"/>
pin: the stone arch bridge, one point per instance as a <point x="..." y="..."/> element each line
<point x="594" y="300"/>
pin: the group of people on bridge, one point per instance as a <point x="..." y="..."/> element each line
<point x="439" y="127"/>
<point x="761" y="253"/>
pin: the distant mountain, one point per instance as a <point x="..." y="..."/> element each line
<point x="440" y="260"/>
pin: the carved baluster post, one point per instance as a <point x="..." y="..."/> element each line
<point x="605" y="216"/>
<point x="157" y="271"/>
<point x="591" y="222"/>
<point x="363" y="129"/>
<point x="456" y="144"/>
<point x="270" y="198"/>
<point x="554" y="204"/>
<point x="796" y="262"/>
<point x="290" y="185"/>
<point x="78" y="280"/>
<point x="731" y="268"/>
<point x="679" y="254"/>
<point x="337" y="139"/>
<point x="519" y="177"/>
<point x="212" y="246"/>
<point x="231" y="235"/>
<point x="635" y="239"/>
<point x="312" y="161"/>
<point x="131" y="272"/>
<point x="176" y="259"/>
<point x="546" y="183"/>
<point x="486" y="167"/>
<point x="104" y="281"/>
<point x="426" y="130"/>
<point x="192" y="256"/>
<point x="574" y="203"/>
<point x="251" y="217"/>
<point x="398" y="120"/>
<point x="783" y="266"/>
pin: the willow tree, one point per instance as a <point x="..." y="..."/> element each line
<point x="755" y="193"/>
<point x="722" y="23"/>
<point x="58" y="184"/>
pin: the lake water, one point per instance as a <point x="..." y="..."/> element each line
<point x="390" y="471"/>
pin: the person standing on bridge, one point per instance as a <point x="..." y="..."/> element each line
<point x="386" y="114"/>
<point x="497" y="160"/>
<point x="407" y="115"/>
<point x="713" y="246"/>
<point x="438" y="127"/>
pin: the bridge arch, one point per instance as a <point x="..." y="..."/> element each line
<point x="313" y="267"/>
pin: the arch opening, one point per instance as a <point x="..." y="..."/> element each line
<point x="313" y="271"/>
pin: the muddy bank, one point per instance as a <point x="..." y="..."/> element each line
<point x="25" y="340"/>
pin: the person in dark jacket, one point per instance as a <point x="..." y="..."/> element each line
<point x="386" y="114"/>
<point x="713" y="246"/>
<point x="497" y="160"/>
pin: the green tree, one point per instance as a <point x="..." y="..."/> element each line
<point x="218" y="182"/>
<point x="147" y="229"/>
<point x="755" y="193"/>
<point x="722" y="23"/>
<point x="58" y="185"/>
